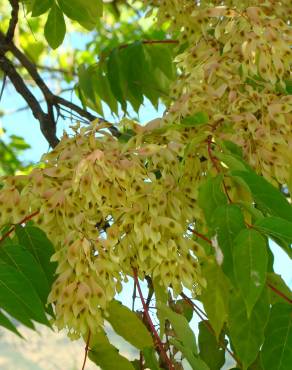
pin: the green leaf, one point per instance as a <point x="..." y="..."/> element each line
<point x="132" y="62"/>
<point x="161" y="295"/>
<point x="6" y="323"/>
<point x="211" y="196"/>
<point x="247" y="333"/>
<point x="19" y="298"/>
<point x="210" y="351"/>
<point x="85" y="12"/>
<point x="102" y="88"/>
<point x="266" y="195"/>
<point x="36" y="241"/>
<point x="105" y="355"/>
<point x="277" y="349"/>
<point x="86" y="83"/>
<point x="181" y="327"/>
<point x="277" y="282"/>
<point x="227" y="222"/>
<point x="277" y="228"/>
<point x="40" y="7"/>
<point x="199" y="118"/>
<point x="126" y="323"/>
<point x="195" y="361"/>
<point x="250" y="265"/>
<point x="183" y="308"/>
<point x="216" y="295"/>
<point x="233" y="148"/>
<point x="185" y="340"/>
<point x="150" y="359"/>
<point x="22" y="260"/>
<point x="55" y="27"/>
<point x="113" y="73"/>
<point x="162" y="58"/>
<point x="126" y="136"/>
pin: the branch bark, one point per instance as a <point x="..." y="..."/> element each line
<point x="47" y="119"/>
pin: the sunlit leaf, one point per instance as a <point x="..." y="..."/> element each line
<point x="55" y="27"/>
<point x="266" y="195"/>
<point x="105" y="355"/>
<point x="227" y="222"/>
<point x="126" y="323"/>
<point x="216" y="295"/>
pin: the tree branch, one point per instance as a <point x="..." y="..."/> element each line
<point x="153" y="330"/>
<point x="13" y="20"/>
<point x="47" y="120"/>
<point x="47" y="123"/>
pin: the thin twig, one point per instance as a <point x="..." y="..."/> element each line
<point x="200" y="235"/>
<point x="279" y="293"/>
<point x="153" y="330"/>
<point x="134" y="295"/>
<point x="24" y="220"/>
<point x="86" y="351"/>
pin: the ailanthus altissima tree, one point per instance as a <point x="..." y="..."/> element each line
<point x="188" y="202"/>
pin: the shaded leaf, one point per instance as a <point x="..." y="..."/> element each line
<point x="247" y="333"/>
<point x="211" y="196"/>
<point x="210" y="351"/>
<point x="150" y="359"/>
<point x="22" y="260"/>
<point x="183" y="308"/>
<point x="6" y="323"/>
<point x="41" y="7"/>
<point x="277" y="349"/>
<point x="126" y="323"/>
<point x="250" y="265"/>
<point x="18" y="297"/>
<point x="113" y="73"/>
<point x="36" y="241"/>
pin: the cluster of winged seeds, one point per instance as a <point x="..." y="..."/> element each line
<point x="237" y="69"/>
<point x="109" y="208"/>
<point x="112" y="207"/>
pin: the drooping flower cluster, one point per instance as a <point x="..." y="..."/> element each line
<point x="110" y="207"/>
<point x="237" y="69"/>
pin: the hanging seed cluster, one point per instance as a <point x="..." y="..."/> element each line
<point x="110" y="207"/>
